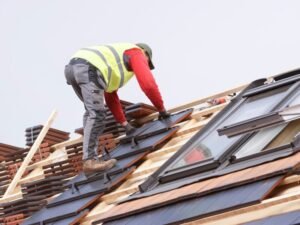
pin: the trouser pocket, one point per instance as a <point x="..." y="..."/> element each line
<point x="93" y="98"/>
<point x="95" y="77"/>
<point x="69" y="75"/>
<point x="81" y="73"/>
<point x="97" y="96"/>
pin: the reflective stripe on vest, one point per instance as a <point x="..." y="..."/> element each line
<point x="109" y="60"/>
<point x="104" y="60"/>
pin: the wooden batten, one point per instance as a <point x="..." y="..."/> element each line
<point x="193" y="104"/>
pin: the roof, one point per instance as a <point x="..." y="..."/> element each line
<point x="229" y="181"/>
<point x="179" y="170"/>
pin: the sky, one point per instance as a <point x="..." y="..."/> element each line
<point x="200" y="47"/>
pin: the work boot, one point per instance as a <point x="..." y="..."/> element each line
<point x="91" y="166"/>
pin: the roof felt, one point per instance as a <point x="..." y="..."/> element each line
<point x="197" y="207"/>
<point x="202" y="188"/>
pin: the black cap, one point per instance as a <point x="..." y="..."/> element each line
<point x="148" y="51"/>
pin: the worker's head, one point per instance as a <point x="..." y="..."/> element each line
<point x="148" y="51"/>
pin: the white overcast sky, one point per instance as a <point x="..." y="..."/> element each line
<point x="200" y="47"/>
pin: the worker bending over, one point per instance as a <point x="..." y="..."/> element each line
<point x="98" y="72"/>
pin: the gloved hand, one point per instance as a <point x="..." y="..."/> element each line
<point x="163" y="115"/>
<point x="129" y="130"/>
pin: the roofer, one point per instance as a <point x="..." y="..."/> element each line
<point x="98" y="72"/>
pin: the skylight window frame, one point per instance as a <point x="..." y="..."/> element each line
<point x="271" y="86"/>
<point x="260" y="122"/>
<point x="263" y="157"/>
<point x="289" y="101"/>
<point x="177" y="173"/>
<point x="280" y="148"/>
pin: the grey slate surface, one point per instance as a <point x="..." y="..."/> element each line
<point x="126" y="150"/>
<point x="69" y="220"/>
<point x="85" y="190"/>
<point x="58" y="213"/>
<point x="157" y="125"/>
<point x="201" y="206"/>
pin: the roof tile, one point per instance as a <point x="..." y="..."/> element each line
<point x="243" y="176"/>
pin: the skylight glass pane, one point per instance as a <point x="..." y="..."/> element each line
<point x="286" y="136"/>
<point x="213" y="145"/>
<point x="271" y="137"/>
<point x="259" y="141"/>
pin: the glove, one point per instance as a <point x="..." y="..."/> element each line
<point x="163" y="115"/>
<point x="129" y="130"/>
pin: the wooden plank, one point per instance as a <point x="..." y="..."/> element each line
<point x="93" y="215"/>
<point x="193" y="103"/>
<point x="165" y="150"/>
<point x="111" y="197"/>
<point x="56" y="156"/>
<point x="30" y="154"/>
<point x="37" y="174"/>
<point x="285" y="190"/>
<point x="290" y="180"/>
<point x="194" y="127"/>
<point x="67" y="143"/>
<point x="12" y="197"/>
<point x="208" y="111"/>
<point x="184" y="137"/>
<point x="203" y="100"/>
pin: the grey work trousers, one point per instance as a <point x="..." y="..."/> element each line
<point x="89" y="87"/>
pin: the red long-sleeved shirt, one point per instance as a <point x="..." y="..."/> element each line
<point x="139" y="65"/>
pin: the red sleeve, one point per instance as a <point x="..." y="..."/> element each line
<point x="139" y="64"/>
<point x="113" y="103"/>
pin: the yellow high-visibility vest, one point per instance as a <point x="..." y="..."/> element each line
<point x="109" y="59"/>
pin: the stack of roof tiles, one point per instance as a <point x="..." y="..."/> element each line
<point x="52" y="137"/>
<point x="35" y="193"/>
<point x="45" y="187"/>
<point x="13" y="220"/>
<point x="73" y="165"/>
<point x="17" y="211"/>
<point x="13" y="161"/>
<point x="7" y="150"/>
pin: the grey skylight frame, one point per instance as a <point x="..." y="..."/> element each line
<point x="165" y="175"/>
<point x="271" y="86"/>
<point x="233" y="144"/>
<point x="271" y="119"/>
